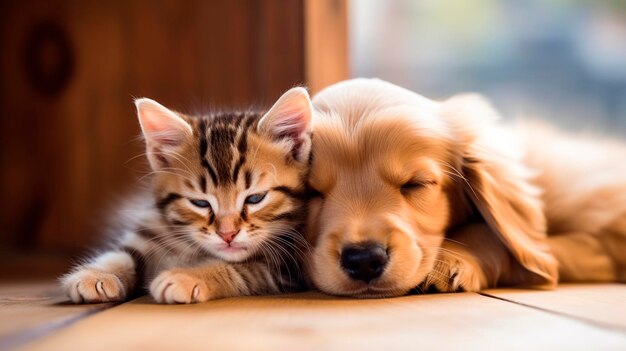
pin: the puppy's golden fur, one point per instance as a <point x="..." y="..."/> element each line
<point x="459" y="201"/>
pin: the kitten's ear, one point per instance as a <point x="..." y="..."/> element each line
<point x="290" y="119"/>
<point x="163" y="130"/>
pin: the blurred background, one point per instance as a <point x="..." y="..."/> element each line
<point x="563" y="60"/>
<point x="70" y="69"/>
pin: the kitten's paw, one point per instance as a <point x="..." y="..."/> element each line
<point x="179" y="286"/>
<point x="455" y="272"/>
<point x="93" y="286"/>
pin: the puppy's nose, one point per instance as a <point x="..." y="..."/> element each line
<point x="364" y="262"/>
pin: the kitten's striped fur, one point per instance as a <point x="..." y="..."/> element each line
<point x="225" y="212"/>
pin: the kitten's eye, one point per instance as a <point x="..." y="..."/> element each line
<point x="255" y="198"/>
<point x="200" y="203"/>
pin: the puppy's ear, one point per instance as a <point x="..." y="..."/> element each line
<point x="498" y="184"/>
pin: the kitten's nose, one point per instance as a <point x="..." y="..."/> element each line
<point x="364" y="262"/>
<point x="227" y="227"/>
<point x="228" y="237"/>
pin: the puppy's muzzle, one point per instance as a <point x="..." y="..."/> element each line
<point x="364" y="262"/>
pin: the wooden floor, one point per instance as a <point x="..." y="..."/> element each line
<point x="35" y="316"/>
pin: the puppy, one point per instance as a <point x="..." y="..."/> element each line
<point x="414" y="193"/>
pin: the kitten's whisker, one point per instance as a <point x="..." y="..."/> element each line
<point x="291" y="245"/>
<point x="455" y="241"/>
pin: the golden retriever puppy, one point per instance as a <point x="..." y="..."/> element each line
<point x="417" y="193"/>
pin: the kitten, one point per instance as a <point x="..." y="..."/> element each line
<point x="225" y="211"/>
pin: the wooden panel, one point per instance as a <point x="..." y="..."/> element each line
<point x="28" y="266"/>
<point x="326" y="42"/>
<point x="316" y="322"/>
<point x="280" y="35"/>
<point x="31" y="310"/>
<point x="602" y="304"/>
<point x="66" y="114"/>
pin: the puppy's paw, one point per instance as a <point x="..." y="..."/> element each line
<point x="455" y="272"/>
<point x="93" y="286"/>
<point x="180" y="286"/>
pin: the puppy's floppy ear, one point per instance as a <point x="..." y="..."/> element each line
<point x="498" y="183"/>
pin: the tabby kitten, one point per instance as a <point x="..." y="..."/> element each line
<point x="224" y="213"/>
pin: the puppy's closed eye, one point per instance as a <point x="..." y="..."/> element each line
<point x="415" y="184"/>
